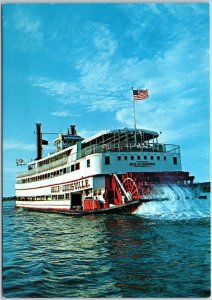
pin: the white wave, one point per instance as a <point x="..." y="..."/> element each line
<point x="175" y="203"/>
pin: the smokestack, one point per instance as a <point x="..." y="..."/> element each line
<point x="39" y="141"/>
<point x="73" y="131"/>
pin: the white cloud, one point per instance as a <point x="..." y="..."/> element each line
<point x="61" y="113"/>
<point x="104" y="85"/>
<point x="15" y="145"/>
<point x="103" y="81"/>
<point x="94" y="73"/>
<point x="24" y="24"/>
<point x="29" y="28"/>
<point x="104" y="40"/>
<point x="95" y="97"/>
<point x="86" y="133"/>
<point x="64" y="91"/>
<point x="177" y="118"/>
<point x="175" y="88"/>
<point x="106" y="105"/>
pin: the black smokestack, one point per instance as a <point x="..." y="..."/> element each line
<point x="39" y="141"/>
<point x="73" y="131"/>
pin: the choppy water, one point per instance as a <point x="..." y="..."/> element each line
<point x="161" y="251"/>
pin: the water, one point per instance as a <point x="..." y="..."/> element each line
<point x="183" y="204"/>
<point x="163" y="250"/>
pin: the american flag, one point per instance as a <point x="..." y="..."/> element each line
<point x="140" y="94"/>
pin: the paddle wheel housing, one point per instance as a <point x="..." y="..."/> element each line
<point x="125" y="188"/>
<point x="132" y="186"/>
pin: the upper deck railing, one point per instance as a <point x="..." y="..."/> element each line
<point x="111" y="147"/>
<point x="49" y="166"/>
<point x="131" y="147"/>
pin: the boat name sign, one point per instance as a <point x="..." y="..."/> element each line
<point x="143" y="164"/>
<point x="72" y="187"/>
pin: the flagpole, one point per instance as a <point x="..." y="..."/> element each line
<point x="135" y="140"/>
<point x="138" y="95"/>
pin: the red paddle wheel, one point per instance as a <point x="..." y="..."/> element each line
<point x="131" y="188"/>
<point x="136" y="184"/>
<point x="127" y="187"/>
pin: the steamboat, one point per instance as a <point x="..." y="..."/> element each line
<point x="114" y="171"/>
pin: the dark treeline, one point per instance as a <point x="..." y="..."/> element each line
<point x="9" y="198"/>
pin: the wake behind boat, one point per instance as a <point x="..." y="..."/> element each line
<point x="111" y="172"/>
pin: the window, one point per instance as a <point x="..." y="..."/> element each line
<point x="152" y="157"/>
<point x="145" y="157"/>
<point x="175" y="160"/>
<point x="158" y="157"/>
<point x="138" y="157"/>
<point x="164" y="158"/>
<point x="125" y="158"/>
<point x="77" y="166"/>
<point x="72" y="168"/>
<point x="132" y="157"/>
<point x="119" y="157"/>
<point x="107" y="160"/>
<point x="88" y="163"/>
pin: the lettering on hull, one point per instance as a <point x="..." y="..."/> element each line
<point x="72" y="187"/>
<point x="142" y="164"/>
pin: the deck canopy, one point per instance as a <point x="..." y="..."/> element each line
<point x="120" y="136"/>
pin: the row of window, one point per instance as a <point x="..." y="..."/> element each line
<point x="54" y="158"/>
<point x="107" y="158"/>
<point x="65" y="196"/>
<point x="45" y="176"/>
<point x="45" y="198"/>
<point x="119" y="157"/>
<point x="139" y="157"/>
<point x="52" y="174"/>
<point x="77" y="165"/>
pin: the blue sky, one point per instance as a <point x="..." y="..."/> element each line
<point x="76" y="63"/>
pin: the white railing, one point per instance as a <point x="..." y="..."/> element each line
<point x="49" y="166"/>
<point x="131" y="147"/>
